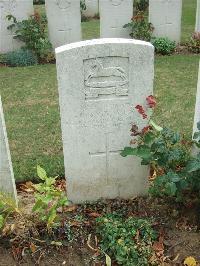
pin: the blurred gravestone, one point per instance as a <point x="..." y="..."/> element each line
<point x="100" y="82"/>
<point x="64" y="21"/>
<point x="92" y="8"/>
<point x="197" y="106"/>
<point x="165" y="15"/>
<point x="7" y="181"/>
<point x="197" y="26"/>
<point x="114" y="14"/>
<point x="21" y="9"/>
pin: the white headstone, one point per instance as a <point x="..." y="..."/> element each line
<point x="92" y="8"/>
<point x="165" y="15"/>
<point x="114" y="14"/>
<point x="100" y="82"/>
<point x="21" y="9"/>
<point x="197" y="106"/>
<point x="64" y="21"/>
<point x="7" y="181"/>
<point x="197" y="26"/>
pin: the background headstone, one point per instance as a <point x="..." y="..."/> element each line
<point x="100" y="82"/>
<point x="64" y="21"/>
<point x="7" y="181"/>
<point x="165" y="15"/>
<point x="114" y="14"/>
<point x="197" y="106"/>
<point x="92" y="8"/>
<point x="197" y="26"/>
<point x="21" y="9"/>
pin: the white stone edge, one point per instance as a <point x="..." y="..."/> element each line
<point x="8" y="150"/>
<point x="80" y="44"/>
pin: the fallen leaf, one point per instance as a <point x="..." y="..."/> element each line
<point x="94" y="214"/>
<point x="33" y="247"/>
<point x="108" y="260"/>
<point x="70" y="208"/>
<point x="190" y="261"/>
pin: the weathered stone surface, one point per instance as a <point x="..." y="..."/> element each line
<point x="7" y="181"/>
<point x="100" y="82"/>
<point x="165" y="15"/>
<point x="64" y="21"/>
<point x="21" y="9"/>
<point x="114" y="14"/>
<point x="197" y="25"/>
<point x="92" y="8"/>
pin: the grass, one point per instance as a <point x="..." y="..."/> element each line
<point x="31" y="108"/>
<point x="30" y="100"/>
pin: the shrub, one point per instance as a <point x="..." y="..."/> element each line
<point x="21" y="57"/>
<point x="164" y="46"/>
<point x="32" y="32"/>
<point x="168" y="154"/>
<point x="141" y="5"/>
<point x="194" y="43"/>
<point x="140" y="28"/>
<point x="128" y="241"/>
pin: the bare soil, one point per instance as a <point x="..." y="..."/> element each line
<point x="178" y="226"/>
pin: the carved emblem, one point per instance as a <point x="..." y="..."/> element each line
<point x="102" y="80"/>
<point x="63" y="4"/>
<point x="116" y="2"/>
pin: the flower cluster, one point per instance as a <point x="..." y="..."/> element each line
<point x="150" y="103"/>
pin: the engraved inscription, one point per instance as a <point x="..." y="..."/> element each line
<point x="116" y="2"/>
<point x="106" y="76"/>
<point x="63" y="4"/>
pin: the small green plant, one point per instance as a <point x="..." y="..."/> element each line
<point x="168" y="153"/>
<point x="129" y="241"/>
<point x="164" y="46"/>
<point x="194" y="43"/>
<point x="48" y="199"/>
<point x="140" y="28"/>
<point x="21" y="57"/>
<point x="8" y="207"/>
<point x="32" y="32"/>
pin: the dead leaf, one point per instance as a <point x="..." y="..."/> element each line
<point x="70" y="208"/>
<point x="33" y="247"/>
<point x="27" y="187"/>
<point x="190" y="261"/>
<point x="94" y="214"/>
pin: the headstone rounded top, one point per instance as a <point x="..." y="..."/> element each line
<point x="63" y="4"/>
<point x="116" y="2"/>
<point x="101" y="41"/>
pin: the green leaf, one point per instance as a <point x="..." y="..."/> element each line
<point x="193" y="165"/>
<point x="1" y="221"/>
<point x="51" y="217"/>
<point x="41" y="173"/>
<point x="171" y="189"/>
<point x="128" y="151"/>
<point x="38" y="205"/>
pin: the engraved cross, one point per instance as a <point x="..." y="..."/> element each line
<point x="106" y="153"/>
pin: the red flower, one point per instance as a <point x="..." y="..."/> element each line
<point x="151" y="101"/>
<point x="141" y="111"/>
<point x="146" y="129"/>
